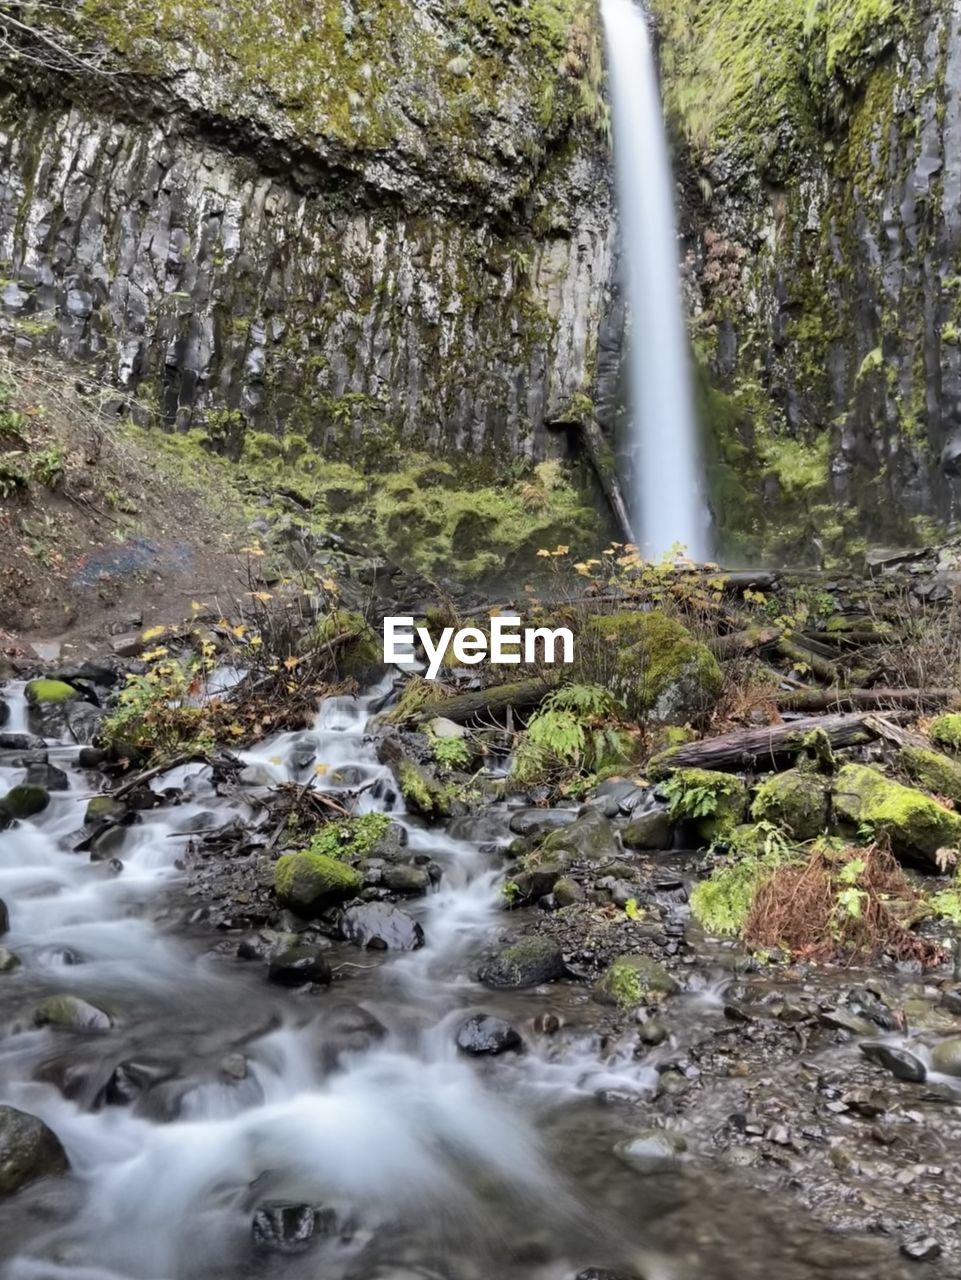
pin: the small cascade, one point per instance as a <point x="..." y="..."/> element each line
<point x="668" y="505"/>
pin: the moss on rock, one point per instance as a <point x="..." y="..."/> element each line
<point x="632" y="978"/>
<point x="797" y="800"/>
<point x="946" y="730"/>
<point x="308" y="881"/>
<point x="933" y="771"/>
<point x="715" y="802"/>
<point x="660" y="671"/>
<point x="423" y="792"/>
<point x="916" y="825"/>
<point x="24" y="801"/>
<point x="47" y="692"/>
<point x="358" y="648"/>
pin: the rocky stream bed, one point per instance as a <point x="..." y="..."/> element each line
<point x="210" y="1068"/>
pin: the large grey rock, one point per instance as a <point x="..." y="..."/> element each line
<point x="28" y="1150"/>
<point x="381" y="927"/>
<point x="590" y="838"/>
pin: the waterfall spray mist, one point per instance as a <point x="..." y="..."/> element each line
<point x="665" y="458"/>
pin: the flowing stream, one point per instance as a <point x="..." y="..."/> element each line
<point x="665" y="460"/>
<point x="323" y="1132"/>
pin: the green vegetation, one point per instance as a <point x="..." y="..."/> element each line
<point x="633" y="978"/>
<point x="796" y="800"/>
<point x="946" y="731"/>
<point x="45" y="692"/>
<point x="575" y="731"/>
<point x="715" y="802"/>
<point x="309" y="880"/>
<point x="916" y="825"/>
<point x="350" y="838"/>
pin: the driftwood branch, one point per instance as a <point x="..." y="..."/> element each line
<point x="765" y="748"/>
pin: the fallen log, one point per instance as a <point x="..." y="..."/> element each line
<point x="520" y="696"/>
<point x="801" y="657"/>
<point x="864" y="699"/>
<point x="747" y="641"/>
<point x="764" y="748"/>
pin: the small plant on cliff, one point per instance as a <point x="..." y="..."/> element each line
<point x="575" y="729"/>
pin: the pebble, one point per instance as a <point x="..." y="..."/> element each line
<point x="924" y="1250"/>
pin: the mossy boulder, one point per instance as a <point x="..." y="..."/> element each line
<point x="632" y="979"/>
<point x="46" y="692"/>
<point x="662" y="674"/>
<point x="24" y="801"/>
<point x="589" y="838"/>
<point x="713" y="802"/>
<point x="933" y="771"/>
<point x="358" y="648"/>
<point x="70" y="1013"/>
<point x="307" y="881"/>
<point x="526" y="963"/>
<point x="916" y="825"/>
<point x="797" y="800"/>
<point x="48" y="706"/>
<point x="28" y="1150"/>
<point x="423" y="792"/>
<point x="946" y="730"/>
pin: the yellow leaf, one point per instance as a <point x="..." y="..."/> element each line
<point x="292" y="662"/>
<point x="153" y="654"/>
<point x="321" y="769"/>
<point x="239" y="631"/>
<point x="256" y="642"/>
<point x="329" y="584"/>
<point x="196" y="606"/>
<point x="543" y="552"/>
<point x="153" y="632"/>
<point x="253" y="551"/>
<point x="275" y="760"/>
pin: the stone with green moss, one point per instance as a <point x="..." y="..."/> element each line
<point x="917" y="826"/>
<point x="589" y="838"/>
<point x="25" y="800"/>
<point x="633" y="978"/>
<point x="946" y="730"/>
<point x="424" y="793"/>
<point x="797" y="800"/>
<point x="660" y="671"/>
<point x="526" y="963"/>
<point x="70" y="1013"/>
<point x="45" y="692"/>
<point x="308" y="882"/>
<point x="933" y="771"/>
<point x="714" y="802"/>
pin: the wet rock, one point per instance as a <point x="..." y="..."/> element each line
<point x="348" y="1029"/>
<point x="526" y="963"/>
<point x="131" y="1080"/>
<point x="651" y="830"/>
<point x="946" y="1057"/>
<point x="651" y="1152"/>
<point x="47" y="702"/>
<point x="924" y="1250"/>
<point x="291" y="1228"/>
<point x="24" y="801"/>
<point x="234" y="1066"/>
<point x="844" y="1020"/>
<point x="622" y="891"/>
<point x="538" y="822"/>
<point x="566" y="892"/>
<point x="70" y="1013"/>
<point x="443" y="728"/>
<point x="28" y="1150"/>
<point x="631" y="979"/>
<point x="21" y="742"/>
<point x="403" y="878"/>
<point x="485" y="1034"/>
<point x="101" y="809"/>
<point x="90" y="757"/>
<point x="531" y="885"/>
<point x="381" y="927"/>
<point x="299" y="965"/>
<point x="589" y="838"/>
<point x="48" y="776"/>
<point x="796" y="800"/>
<point x="652" y="1032"/>
<point x="266" y="943"/>
<point x="902" y="1064"/>
<point x="310" y="881"/>
<point x="8" y="961"/>
<point x="107" y="844"/>
<point x="4" y="918"/>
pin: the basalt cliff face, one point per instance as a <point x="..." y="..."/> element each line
<point x="372" y="225"/>
<point x="819" y="142"/>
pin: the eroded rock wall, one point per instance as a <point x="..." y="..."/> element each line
<point x="423" y="259"/>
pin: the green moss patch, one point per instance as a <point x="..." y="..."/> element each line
<point x="45" y="692"/>
<point x="309" y="881"/>
<point x="916" y="825"/>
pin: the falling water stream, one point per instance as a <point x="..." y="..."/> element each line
<point x="668" y="506"/>
<point x="352" y="1102"/>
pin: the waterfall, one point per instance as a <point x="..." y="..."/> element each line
<point x="667" y="503"/>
